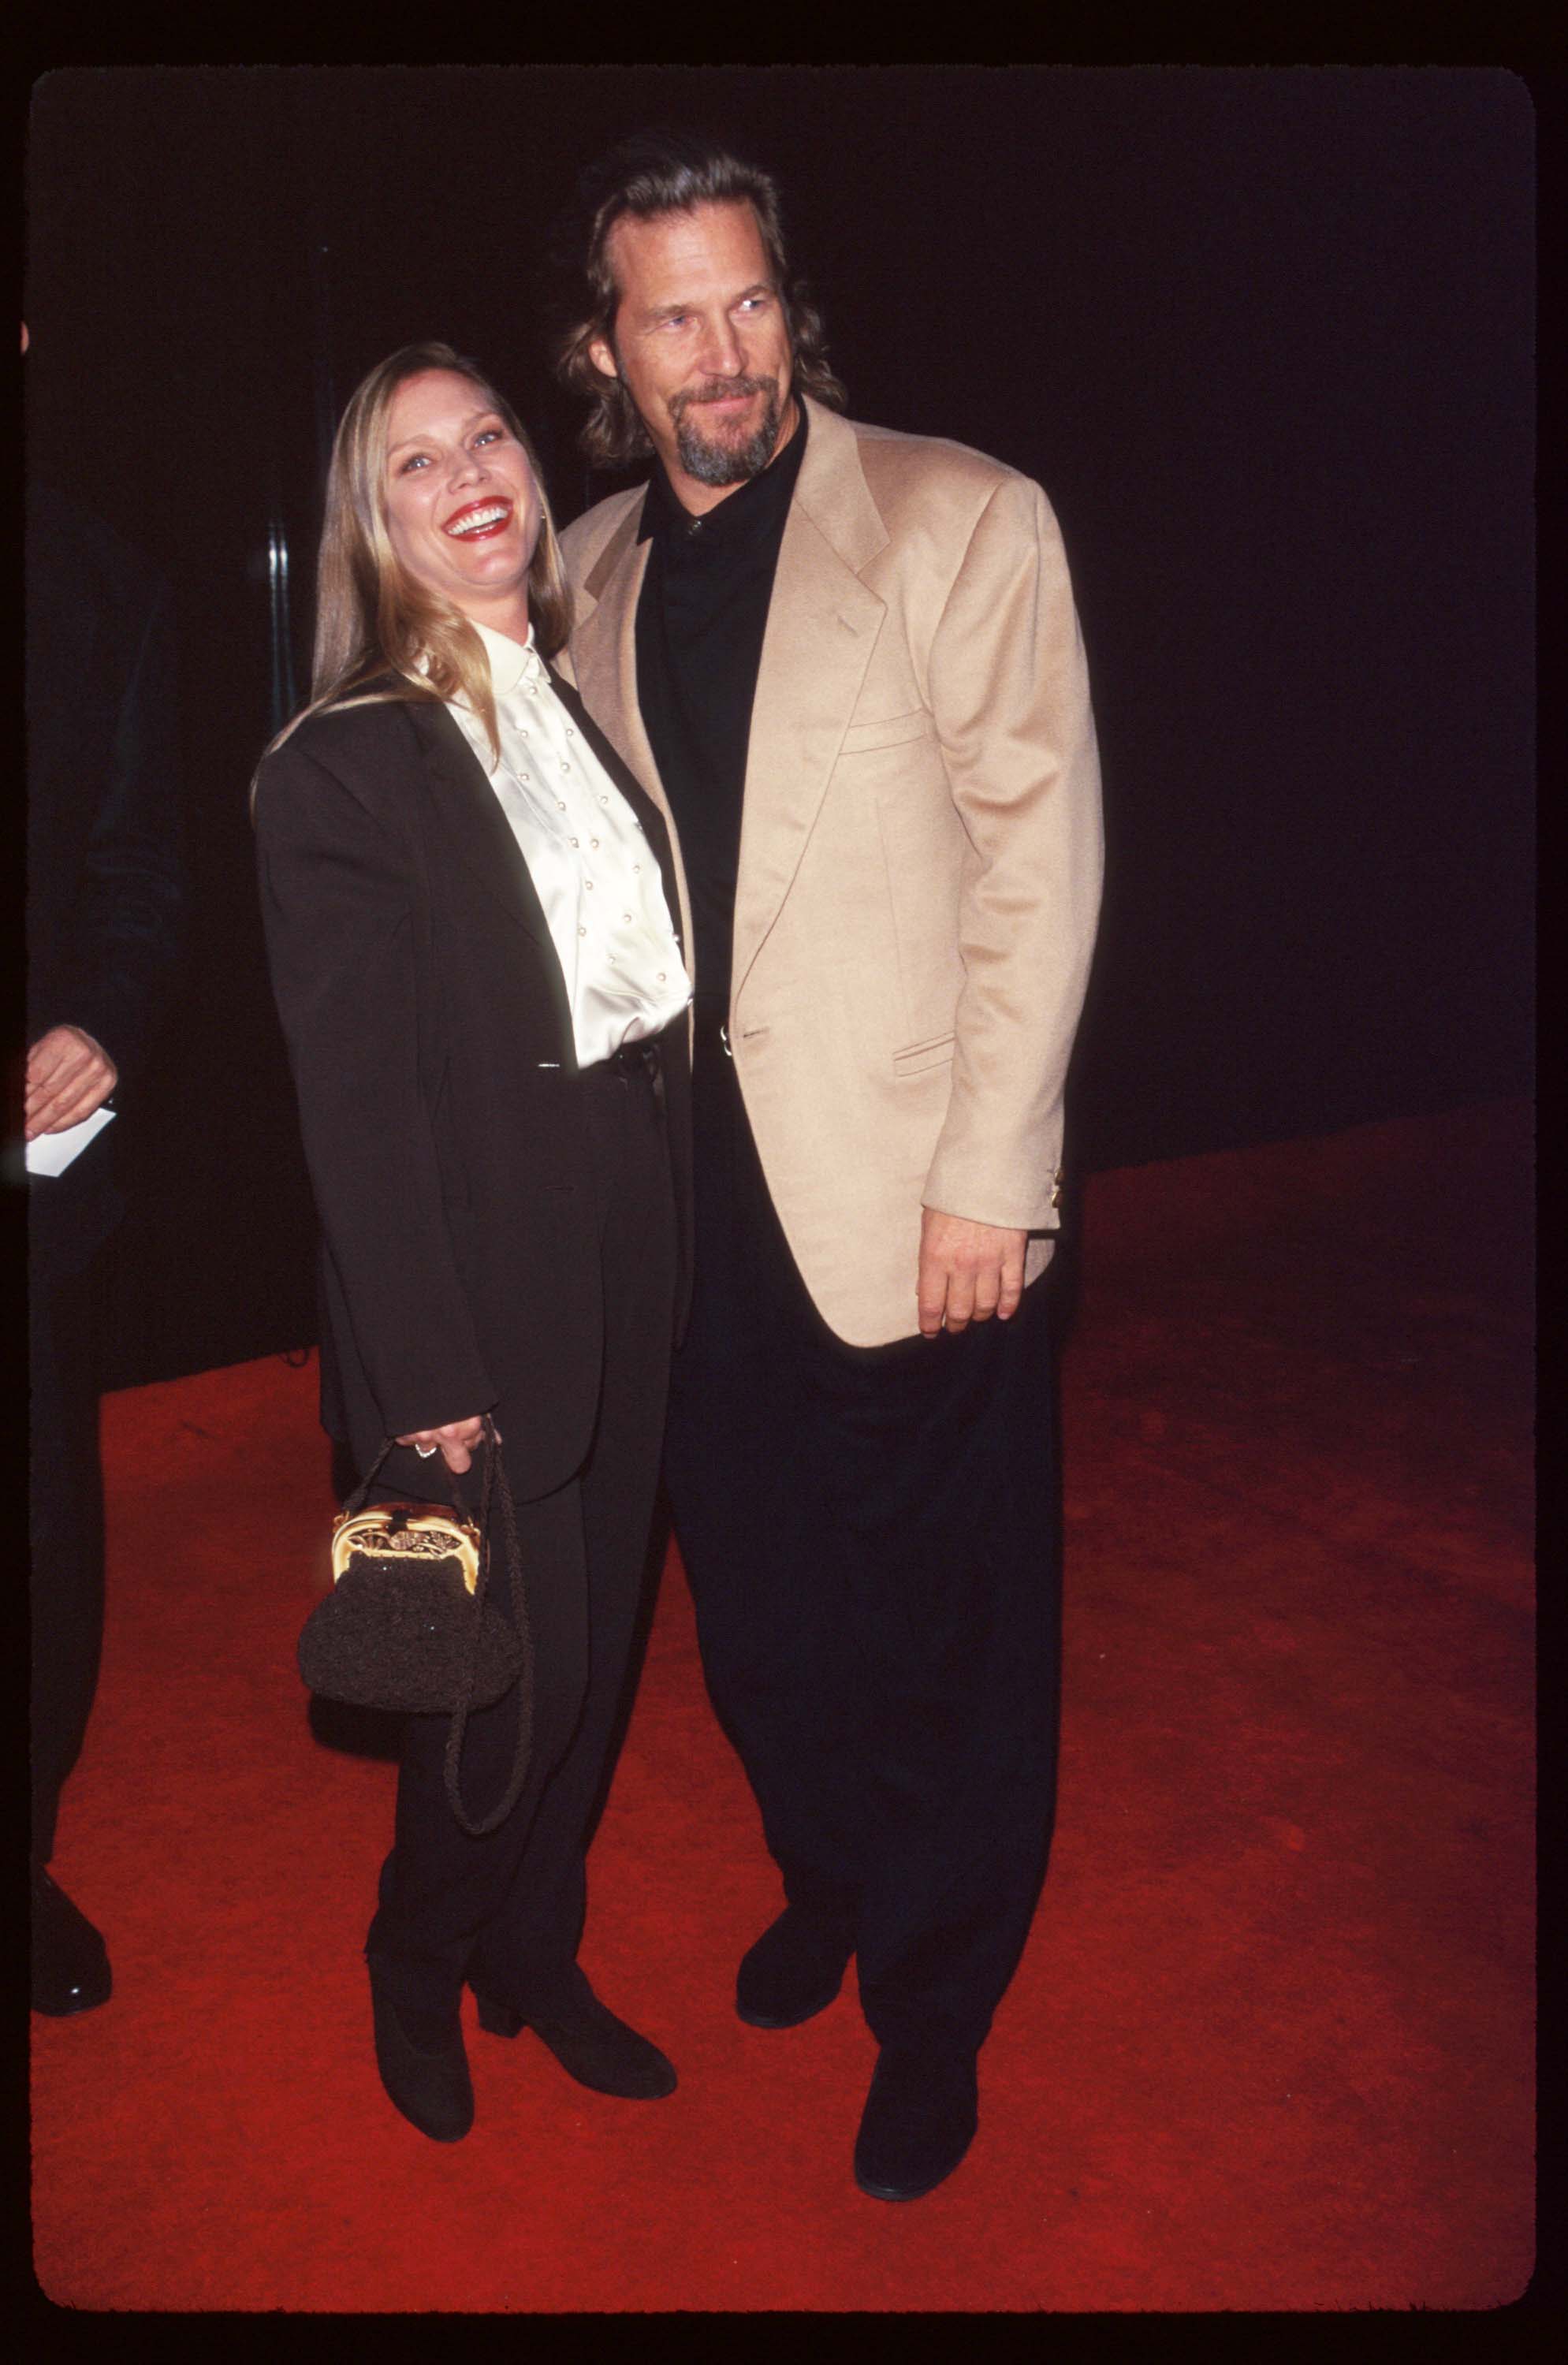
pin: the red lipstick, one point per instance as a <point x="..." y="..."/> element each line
<point x="495" y="513"/>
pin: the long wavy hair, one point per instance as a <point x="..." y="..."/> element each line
<point x="662" y="173"/>
<point x="374" y="619"/>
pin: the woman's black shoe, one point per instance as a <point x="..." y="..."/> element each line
<point x="794" y="1970"/>
<point x="589" y="2042"/>
<point x="69" y="1961"/>
<point x="918" y="2123"/>
<point x="432" y="2089"/>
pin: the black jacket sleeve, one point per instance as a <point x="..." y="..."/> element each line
<point x="342" y="910"/>
<point x="105" y="897"/>
<point x="131" y="909"/>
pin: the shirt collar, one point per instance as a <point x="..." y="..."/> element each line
<point x="511" y="662"/>
<point x="752" y="509"/>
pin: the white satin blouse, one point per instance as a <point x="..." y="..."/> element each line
<point x="593" y="870"/>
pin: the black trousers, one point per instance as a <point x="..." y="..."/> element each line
<point x="65" y="1489"/>
<point x="507" y="1910"/>
<point x="870" y="1540"/>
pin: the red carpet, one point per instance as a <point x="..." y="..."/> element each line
<point x="1271" y="2042"/>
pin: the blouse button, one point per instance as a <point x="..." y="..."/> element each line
<point x="661" y="977"/>
<point x="593" y="843"/>
<point x="571" y="841"/>
<point x="565" y="766"/>
<point x="582" y="932"/>
<point x="604" y="800"/>
<point x="560" y="804"/>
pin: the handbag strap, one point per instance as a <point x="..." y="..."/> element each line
<point x="356" y="1500"/>
<point x="494" y="1481"/>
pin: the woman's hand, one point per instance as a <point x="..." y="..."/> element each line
<point x="454" y="1440"/>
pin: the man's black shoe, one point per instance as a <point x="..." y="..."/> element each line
<point x="69" y="1961"/>
<point x="794" y="1970"/>
<point x="433" y="2089"/>
<point x="600" y="2051"/>
<point x="918" y="2123"/>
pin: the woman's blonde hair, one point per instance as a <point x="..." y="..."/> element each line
<point x="372" y="616"/>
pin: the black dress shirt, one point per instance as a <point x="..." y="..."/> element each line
<point x="701" y="620"/>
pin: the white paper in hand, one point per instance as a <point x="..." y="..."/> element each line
<point x="51" y="1153"/>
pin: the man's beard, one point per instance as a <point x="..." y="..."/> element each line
<point x="716" y="461"/>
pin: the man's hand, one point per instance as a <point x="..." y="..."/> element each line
<point x="967" y="1271"/>
<point x="69" y="1076"/>
<point x="454" y="1440"/>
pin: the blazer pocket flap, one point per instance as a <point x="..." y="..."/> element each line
<point x="861" y="737"/>
<point x="932" y="1054"/>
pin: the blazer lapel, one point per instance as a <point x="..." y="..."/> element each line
<point x="823" y="624"/>
<point x="604" y="649"/>
<point x="474" y="831"/>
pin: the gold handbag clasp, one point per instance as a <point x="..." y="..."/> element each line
<point x="413" y="1529"/>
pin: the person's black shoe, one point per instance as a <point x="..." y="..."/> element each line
<point x="433" y="2089"/>
<point x="793" y="1971"/>
<point x="919" y="2121"/>
<point x="589" y="2042"/>
<point x="69" y="1961"/>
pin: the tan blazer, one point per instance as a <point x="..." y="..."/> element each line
<point x="920" y="855"/>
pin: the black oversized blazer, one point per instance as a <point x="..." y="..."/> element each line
<point x="431" y="1039"/>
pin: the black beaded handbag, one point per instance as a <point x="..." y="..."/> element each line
<point x="409" y="1625"/>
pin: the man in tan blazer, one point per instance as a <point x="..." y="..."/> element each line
<point x="845" y="662"/>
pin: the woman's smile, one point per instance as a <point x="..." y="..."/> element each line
<point x="478" y="521"/>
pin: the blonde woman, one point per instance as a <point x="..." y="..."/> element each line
<point x="468" y="909"/>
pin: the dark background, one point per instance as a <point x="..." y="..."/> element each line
<point x="1264" y="335"/>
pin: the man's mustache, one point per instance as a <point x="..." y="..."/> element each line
<point x="719" y="390"/>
